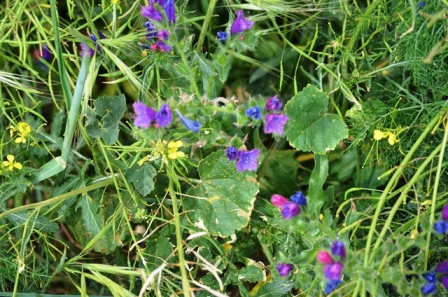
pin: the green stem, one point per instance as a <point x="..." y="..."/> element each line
<point x="180" y="251"/>
<point x="191" y="74"/>
<point x="74" y="108"/>
<point x="266" y="250"/>
<point x="208" y="18"/>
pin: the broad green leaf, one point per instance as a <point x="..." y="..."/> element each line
<point x="275" y="289"/>
<point x="159" y="249"/>
<point x="222" y="63"/>
<point x="13" y="186"/>
<point x="142" y="178"/>
<point x="103" y="120"/>
<point x="310" y="127"/>
<point x="252" y="274"/>
<point x="316" y="196"/>
<point x="223" y="201"/>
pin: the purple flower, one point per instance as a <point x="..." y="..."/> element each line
<point x="190" y="124"/>
<point x="290" y="210"/>
<point x="444" y="281"/>
<point x="222" y="36"/>
<point x="274" y="104"/>
<point x="445" y="212"/>
<point x="284" y="269"/>
<point x="144" y="115"/>
<point x="163" y="47"/>
<point x="43" y="54"/>
<point x="331" y="286"/>
<point x="298" y="198"/>
<point x="150" y="29"/>
<point x="441" y="226"/>
<point x="151" y="12"/>
<point x="338" y="249"/>
<point x="254" y="112"/>
<point x="247" y="160"/>
<point x="232" y="153"/>
<point x="278" y="200"/>
<point x="430" y="277"/>
<point x="442" y="267"/>
<point x="87" y="50"/>
<point x="324" y="257"/>
<point x="240" y="24"/>
<point x="163" y="34"/>
<point x="429" y="288"/>
<point x="275" y="123"/>
<point x="164" y="116"/>
<point x="170" y="10"/>
<point x="333" y="271"/>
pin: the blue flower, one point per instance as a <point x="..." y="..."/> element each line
<point x="274" y="104"/>
<point x="164" y="116"/>
<point x="284" y="269"/>
<point x="151" y="12"/>
<point x="190" y="124"/>
<point x="170" y="10"/>
<point x="420" y="4"/>
<point x="275" y="123"/>
<point x="247" y="160"/>
<point x="240" y="24"/>
<point x="290" y="209"/>
<point x="150" y="29"/>
<point x="43" y="54"/>
<point x="441" y="226"/>
<point x="338" y="249"/>
<point x="232" y="153"/>
<point x="430" y="277"/>
<point x="331" y="286"/>
<point x="144" y="115"/>
<point x="429" y="288"/>
<point x="222" y="36"/>
<point x="86" y="50"/>
<point x="298" y="198"/>
<point x="254" y="112"/>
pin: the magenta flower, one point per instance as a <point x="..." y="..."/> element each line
<point x="274" y="104"/>
<point x="289" y="210"/>
<point x="240" y="24"/>
<point x="278" y="200"/>
<point x="284" y="269"/>
<point x="164" y="116"/>
<point x="232" y="153"/>
<point x="247" y="160"/>
<point x="151" y="12"/>
<point x="445" y="212"/>
<point x="338" y="249"/>
<point x="190" y="124"/>
<point x="333" y="271"/>
<point x="144" y="115"/>
<point x="275" y="123"/>
<point x="324" y="257"/>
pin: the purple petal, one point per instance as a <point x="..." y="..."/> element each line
<point x="284" y="269"/>
<point x="442" y="267"/>
<point x="240" y="24"/>
<point x="164" y="116"/>
<point x="338" y="249"/>
<point x="444" y="281"/>
<point x="151" y="12"/>
<point x="274" y="104"/>
<point x="445" y="212"/>
<point x="331" y="286"/>
<point x="163" y="34"/>
<point x="163" y="47"/>
<point x="232" y="153"/>
<point x="144" y="115"/>
<point x="289" y="210"/>
<point x="254" y="112"/>
<point x="333" y="271"/>
<point x="275" y="123"/>
<point x="298" y="198"/>
<point x="170" y="11"/>
<point x="247" y="160"/>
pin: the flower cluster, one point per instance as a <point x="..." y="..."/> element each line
<point x="10" y="164"/>
<point x="86" y="50"/>
<point x="391" y="137"/>
<point x="274" y="120"/>
<point x="431" y="280"/>
<point x="23" y="131"/>
<point x="245" y="160"/>
<point x="332" y="268"/>
<point x="240" y="24"/>
<point x="289" y="209"/>
<point x="152" y="13"/>
<point x="441" y="226"/>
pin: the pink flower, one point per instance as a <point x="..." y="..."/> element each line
<point x="278" y="200"/>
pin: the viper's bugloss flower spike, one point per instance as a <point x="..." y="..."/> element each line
<point x="430" y="277"/>
<point x="44" y="54"/>
<point x="151" y="12"/>
<point x="164" y="116"/>
<point x="338" y="249"/>
<point x="254" y="112"/>
<point x="274" y="104"/>
<point x="232" y="153"/>
<point x="445" y="212"/>
<point x="222" y="36"/>
<point x="240" y="24"/>
<point x="298" y="198"/>
<point x="284" y="268"/>
<point x="331" y="286"/>
<point x="441" y="226"/>
<point x="275" y="123"/>
<point x="442" y="267"/>
<point x="170" y="10"/>
<point x="144" y="115"/>
<point x="333" y="271"/>
<point x="289" y="210"/>
<point x="429" y="288"/>
<point x="278" y="200"/>
<point x="151" y="30"/>
<point x="190" y="124"/>
<point x="324" y="257"/>
<point x="444" y="281"/>
<point x="247" y="160"/>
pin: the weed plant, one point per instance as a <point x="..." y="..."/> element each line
<point x="223" y="148"/>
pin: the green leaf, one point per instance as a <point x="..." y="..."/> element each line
<point x="158" y="251"/>
<point x="224" y="199"/>
<point x="13" y="186"/>
<point x="252" y="274"/>
<point x="275" y="289"/>
<point x="39" y="223"/>
<point x="102" y="122"/>
<point x="222" y="65"/>
<point x="316" y="196"/>
<point x="310" y="127"/>
<point x="142" y="178"/>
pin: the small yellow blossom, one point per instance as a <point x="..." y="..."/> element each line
<point x="392" y="139"/>
<point x="378" y="135"/>
<point x="321" y="217"/>
<point x="10" y="164"/>
<point x="414" y="233"/>
<point x="173" y="152"/>
<point x="22" y="129"/>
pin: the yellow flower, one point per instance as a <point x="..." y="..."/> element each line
<point x="24" y="128"/>
<point x="12" y="129"/>
<point x="392" y="139"/>
<point x="173" y="152"/>
<point x="378" y="135"/>
<point x="114" y="1"/>
<point x="10" y="164"/>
